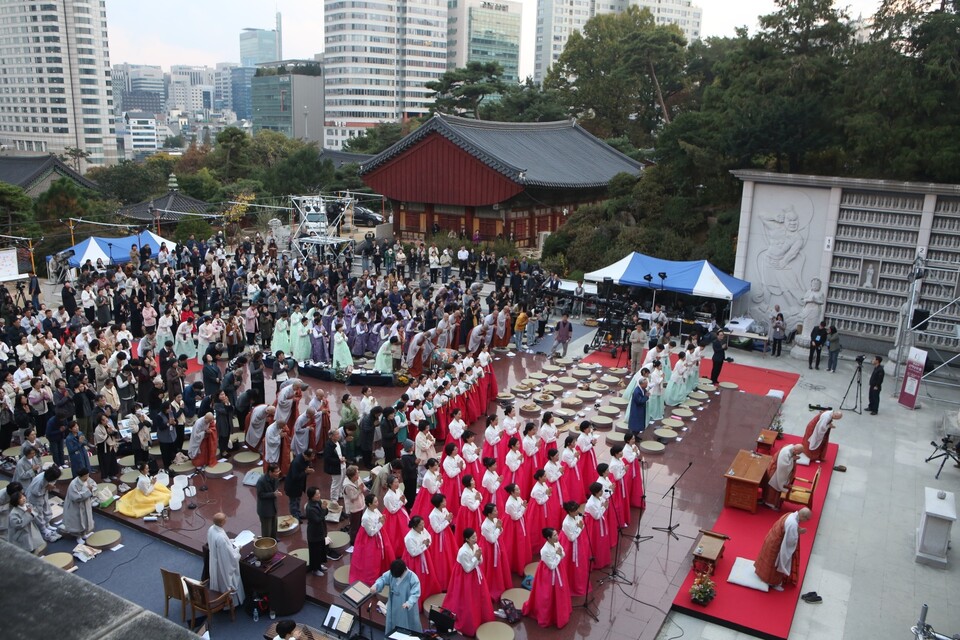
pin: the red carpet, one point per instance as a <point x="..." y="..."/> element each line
<point x="757" y="380"/>
<point x="765" y="615"/>
<point x="192" y="365"/>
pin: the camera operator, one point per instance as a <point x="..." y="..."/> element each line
<point x="876" y="382"/>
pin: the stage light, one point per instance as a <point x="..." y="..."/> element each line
<point x="648" y="278"/>
<point x="663" y="276"/>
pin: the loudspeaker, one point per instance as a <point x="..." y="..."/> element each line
<point x="919" y="320"/>
<point x="442" y="620"/>
<point x="606" y="287"/>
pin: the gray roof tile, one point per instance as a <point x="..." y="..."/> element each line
<point x="544" y="154"/>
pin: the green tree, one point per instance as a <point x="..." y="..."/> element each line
<point x="16" y="207"/>
<point x="202" y="185"/>
<point x="130" y="182"/>
<point x="229" y="156"/>
<point x="200" y="228"/>
<point x="74" y="155"/>
<point x="301" y="172"/>
<point x="525" y="102"/>
<point x="605" y="79"/>
<point x="376" y="138"/>
<point x="174" y="142"/>
<point x="461" y="92"/>
<point x="775" y="93"/>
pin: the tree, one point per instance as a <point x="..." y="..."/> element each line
<point x="229" y="155"/>
<point x="173" y="142"/>
<point x="200" y="228"/>
<point x="301" y="172"/>
<point x="64" y="199"/>
<point x="16" y="207"/>
<point x="526" y="102"/>
<point x="74" y="155"/>
<point x="605" y="79"/>
<point x="775" y="93"/>
<point x="130" y="182"/>
<point x="461" y="91"/>
<point x="202" y="185"/>
<point x="375" y="139"/>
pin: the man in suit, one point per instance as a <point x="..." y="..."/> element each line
<point x="719" y="355"/>
<point x="268" y="490"/>
<point x="876" y="382"/>
<point x="638" y="408"/>
<point x="296" y="481"/>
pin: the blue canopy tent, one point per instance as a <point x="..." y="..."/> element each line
<point x="697" y="277"/>
<point x="115" y="250"/>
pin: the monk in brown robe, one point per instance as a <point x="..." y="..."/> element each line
<point x="779" y="557"/>
<point x="817" y="435"/>
<point x="780" y="474"/>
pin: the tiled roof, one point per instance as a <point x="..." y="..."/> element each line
<point x="545" y="154"/>
<point x="23" y="171"/>
<point x="170" y="201"/>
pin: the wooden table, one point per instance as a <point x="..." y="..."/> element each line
<point x="766" y="441"/>
<point x="285" y="584"/>
<point x="743" y="480"/>
<point x="708" y="550"/>
<point x="306" y="632"/>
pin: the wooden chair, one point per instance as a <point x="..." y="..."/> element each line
<point x="174" y="588"/>
<point x="801" y="495"/>
<point x="207" y="601"/>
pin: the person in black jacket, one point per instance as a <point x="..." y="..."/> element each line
<point x="224" y="411"/>
<point x="296" y="481"/>
<point x="876" y="382"/>
<point x="268" y="490"/>
<point x="316" y="532"/>
<point x="334" y="463"/>
<point x="818" y="338"/>
<point x="719" y="355"/>
<point x="368" y="429"/>
<point x="211" y="376"/>
<point x="408" y="471"/>
<point x="388" y="434"/>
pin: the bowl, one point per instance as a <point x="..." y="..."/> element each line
<point x="264" y="548"/>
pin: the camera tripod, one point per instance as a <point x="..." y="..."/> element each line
<point x="944" y="451"/>
<point x="858" y="399"/>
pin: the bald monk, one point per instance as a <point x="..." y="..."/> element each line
<point x="817" y="436"/>
<point x="779" y="557"/>
<point x="203" y="442"/>
<point x="257" y="421"/>
<point x="781" y="472"/>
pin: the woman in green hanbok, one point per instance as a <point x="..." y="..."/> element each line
<point x="281" y="335"/>
<point x="300" y="340"/>
<point x="342" y="358"/>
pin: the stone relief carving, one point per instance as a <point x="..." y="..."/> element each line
<point x="780" y="264"/>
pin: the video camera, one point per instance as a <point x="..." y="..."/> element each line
<point x="860" y="358"/>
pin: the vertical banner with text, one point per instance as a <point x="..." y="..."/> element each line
<point x="910" y="388"/>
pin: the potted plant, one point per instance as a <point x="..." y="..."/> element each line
<point x="703" y="590"/>
<point x="777" y="424"/>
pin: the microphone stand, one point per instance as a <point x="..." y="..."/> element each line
<point x="588" y="597"/>
<point x="670" y="529"/>
<point x="615" y="574"/>
<point x="637" y="538"/>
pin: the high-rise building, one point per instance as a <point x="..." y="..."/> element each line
<point x="258" y="46"/>
<point x="191" y="88"/>
<point x="55" y="81"/>
<point x="140" y="134"/>
<point x="135" y="86"/>
<point x="377" y="59"/>
<point x="682" y="13"/>
<point x="484" y="31"/>
<point x="558" y="19"/>
<point x="288" y="98"/>
<point x="240" y="79"/>
<point x="223" y="86"/>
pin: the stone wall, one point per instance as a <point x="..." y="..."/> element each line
<point x="846" y="250"/>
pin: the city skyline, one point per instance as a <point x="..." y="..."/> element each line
<point x="182" y="35"/>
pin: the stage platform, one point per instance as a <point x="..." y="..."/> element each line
<point x="758" y="380"/>
<point x="657" y="568"/>
<point x="764" y="615"/>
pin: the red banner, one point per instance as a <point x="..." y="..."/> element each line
<point x="910" y="388"/>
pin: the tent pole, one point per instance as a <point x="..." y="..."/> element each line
<point x="72" y="241"/>
<point x="33" y="263"/>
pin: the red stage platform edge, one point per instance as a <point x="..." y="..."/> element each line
<point x="765" y="615"/>
<point x="758" y="380"/>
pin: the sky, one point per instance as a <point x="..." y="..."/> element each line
<point x="204" y="32"/>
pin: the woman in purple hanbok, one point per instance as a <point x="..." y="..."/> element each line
<point x="358" y="336"/>
<point x="319" y="343"/>
<point x="328" y="312"/>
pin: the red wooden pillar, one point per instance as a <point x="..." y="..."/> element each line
<point x="468" y="222"/>
<point x="430" y="219"/>
<point x="532" y="228"/>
